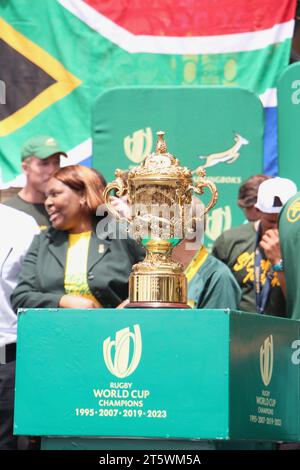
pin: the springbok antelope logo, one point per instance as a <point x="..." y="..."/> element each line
<point x="229" y="156"/>
<point x="266" y="360"/>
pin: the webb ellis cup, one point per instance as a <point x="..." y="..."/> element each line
<point x="159" y="193"/>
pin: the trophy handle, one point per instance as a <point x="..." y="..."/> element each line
<point x="121" y="189"/>
<point x="202" y="183"/>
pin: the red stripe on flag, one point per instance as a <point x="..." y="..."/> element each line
<point x="195" y="17"/>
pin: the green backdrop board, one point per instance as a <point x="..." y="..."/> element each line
<point x="289" y="123"/>
<point x="167" y="374"/>
<point x="216" y="127"/>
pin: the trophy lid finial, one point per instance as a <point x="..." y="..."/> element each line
<point x="161" y="146"/>
<point x="160" y="163"/>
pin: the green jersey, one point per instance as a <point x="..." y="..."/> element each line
<point x="211" y="284"/>
<point x="289" y="234"/>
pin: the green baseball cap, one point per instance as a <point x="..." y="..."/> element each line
<point x="41" y="146"/>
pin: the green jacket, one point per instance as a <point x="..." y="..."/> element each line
<point x="41" y="281"/>
<point x="289" y="234"/>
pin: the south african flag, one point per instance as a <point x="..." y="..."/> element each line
<point x="56" y="56"/>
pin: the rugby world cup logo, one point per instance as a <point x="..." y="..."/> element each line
<point x="137" y="146"/>
<point x="266" y="360"/>
<point x="127" y="348"/>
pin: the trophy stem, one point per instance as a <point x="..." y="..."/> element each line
<point x="158" y="281"/>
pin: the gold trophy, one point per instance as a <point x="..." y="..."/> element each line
<point x="159" y="193"/>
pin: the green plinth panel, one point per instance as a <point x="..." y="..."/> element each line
<point x="157" y="374"/>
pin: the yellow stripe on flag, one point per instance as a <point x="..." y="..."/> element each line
<point x="66" y="82"/>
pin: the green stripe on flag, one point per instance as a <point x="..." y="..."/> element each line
<point x="99" y="65"/>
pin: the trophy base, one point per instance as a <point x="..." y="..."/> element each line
<point x="157" y="305"/>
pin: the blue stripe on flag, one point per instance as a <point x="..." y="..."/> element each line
<point x="87" y="162"/>
<point x="270" y="142"/>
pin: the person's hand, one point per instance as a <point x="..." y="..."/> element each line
<point x="121" y="206"/>
<point x="75" y="301"/>
<point x="271" y="246"/>
<point x="123" y="304"/>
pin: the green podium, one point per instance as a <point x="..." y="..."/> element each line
<point x="90" y="379"/>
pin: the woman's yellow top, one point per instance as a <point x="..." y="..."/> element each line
<point x="76" y="266"/>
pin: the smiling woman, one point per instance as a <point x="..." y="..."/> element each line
<point x="72" y="198"/>
<point x="68" y="266"/>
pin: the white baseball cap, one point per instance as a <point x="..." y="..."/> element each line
<point x="273" y="193"/>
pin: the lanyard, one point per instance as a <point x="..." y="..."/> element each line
<point x="261" y="291"/>
<point x="196" y="263"/>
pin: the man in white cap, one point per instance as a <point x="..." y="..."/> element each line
<point x="252" y="251"/>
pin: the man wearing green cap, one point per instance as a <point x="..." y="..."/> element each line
<point x="40" y="157"/>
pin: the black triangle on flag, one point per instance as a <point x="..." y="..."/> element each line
<point x="32" y="79"/>
<point x="23" y="79"/>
